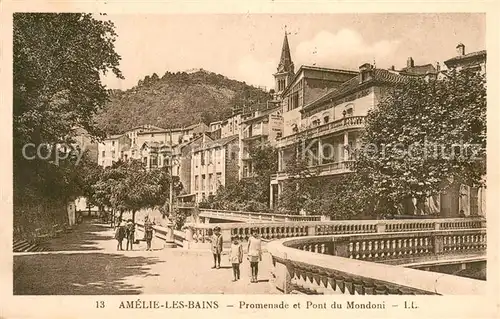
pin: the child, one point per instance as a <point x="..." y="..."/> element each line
<point x="254" y="253"/>
<point x="217" y="246"/>
<point x="236" y="257"/>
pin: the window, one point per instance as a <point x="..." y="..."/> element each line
<point x="326" y="119"/>
<point x="202" y="154"/>
<point x="196" y="183"/>
<point x="233" y="156"/>
<point x="103" y="153"/>
<point x="210" y="181"/>
<point x="295" y="100"/>
<point x="203" y="182"/>
<point x="112" y="154"/>
<point x="219" y="179"/>
<point x="113" y="143"/>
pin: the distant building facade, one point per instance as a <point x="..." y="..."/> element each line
<point x="214" y="164"/>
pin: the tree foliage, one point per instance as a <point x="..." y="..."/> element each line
<point x="425" y="137"/>
<point x="129" y="186"/>
<point x="252" y="193"/>
<point x="188" y="98"/>
<point x="57" y="61"/>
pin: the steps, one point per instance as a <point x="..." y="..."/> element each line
<point x="21" y="245"/>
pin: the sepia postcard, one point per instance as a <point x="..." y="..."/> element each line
<point x="247" y="159"/>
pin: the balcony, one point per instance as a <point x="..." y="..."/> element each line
<point x="336" y="168"/>
<point x="254" y="137"/>
<point x="351" y="122"/>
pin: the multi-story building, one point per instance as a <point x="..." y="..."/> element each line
<point x="214" y="164"/>
<point x="231" y="125"/>
<point x="301" y="88"/>
<point x="113" y="149"/>
<point x="258" y="128"/>
<point x="182" y="161"/>
<point x="132" y="133"/>
<point x="331" y="125"/>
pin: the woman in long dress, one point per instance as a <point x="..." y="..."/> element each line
<point x="254" y="253"/>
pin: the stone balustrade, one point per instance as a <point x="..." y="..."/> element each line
<point x="277" y="230"/>
<point x="365" y="263"/>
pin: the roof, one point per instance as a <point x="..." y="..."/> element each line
<point x="317" y="68"/>
<point x="217" y="143"/>
<point x="379" y="76"/>
<point x="264" y="113"/>
<point x="419" y="69"/>
<point x="148" y="126"/>
<point x="194" y="125"/>
<point x="472" y="55"/>
<point x="114" y="136"/>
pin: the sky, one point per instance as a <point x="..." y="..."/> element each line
<point x="247" y="47"/>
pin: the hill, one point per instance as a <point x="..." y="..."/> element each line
<point x="178" y="99"/>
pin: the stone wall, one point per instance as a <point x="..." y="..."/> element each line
<point x="40" y="214"/>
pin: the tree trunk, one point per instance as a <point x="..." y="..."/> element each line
<point x="133" y="216"/>
<point x="121" y="215"/>
<point x="112" y="218"/>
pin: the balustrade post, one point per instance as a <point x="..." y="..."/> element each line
<point x="189" y="234"/>
<point x="341" y="246"/>
<point x="381" y="228"/>
<point x="483" y="223"/>
<point x="169" y="236"/>
<point x="226" y="235"/>
<point x="311" y="230"/>
<point x="438" y="241"/>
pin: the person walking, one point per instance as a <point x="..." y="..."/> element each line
<point x="130" y="233"/>
<point x="254" y="253"/>
<point x="119" y="235"/>
<point x="236" y="257"/>
<point x="216" y="246"/>
<point x="148" y="232"/>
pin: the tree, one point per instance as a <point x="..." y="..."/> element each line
<point x="426" y="137"/>
<point x="129" y="186"/>
<point x="302" y="185"/>
<point x="57" y="61"/>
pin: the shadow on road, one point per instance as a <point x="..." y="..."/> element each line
<point x="87" y="236"/>
<point x="79" y="274"/>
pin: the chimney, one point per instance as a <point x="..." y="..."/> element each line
<point x="365" y="72"/>
<point x="410" y="63"/>
<point x="393" y="68"/>
<point x="438" y="67"/>
<point x="460" y="49"/>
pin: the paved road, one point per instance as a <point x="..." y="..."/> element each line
<point x="86" y="262"/>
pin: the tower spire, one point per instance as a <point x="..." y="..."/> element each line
<point x="285" y="64"/>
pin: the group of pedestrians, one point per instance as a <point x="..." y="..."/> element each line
<point x="254" y="253"/>
<point x="126" y="230"/>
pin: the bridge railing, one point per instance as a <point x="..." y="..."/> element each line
<point x="354" y="264"/>
<point x="278" y="230"/>
<point x="255" y="216"/>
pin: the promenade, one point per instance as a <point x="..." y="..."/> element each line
<point x="86" y="262"/>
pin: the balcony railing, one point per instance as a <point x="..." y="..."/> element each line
<point x="321" y="130"/>
<point x="322" y="170"/>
